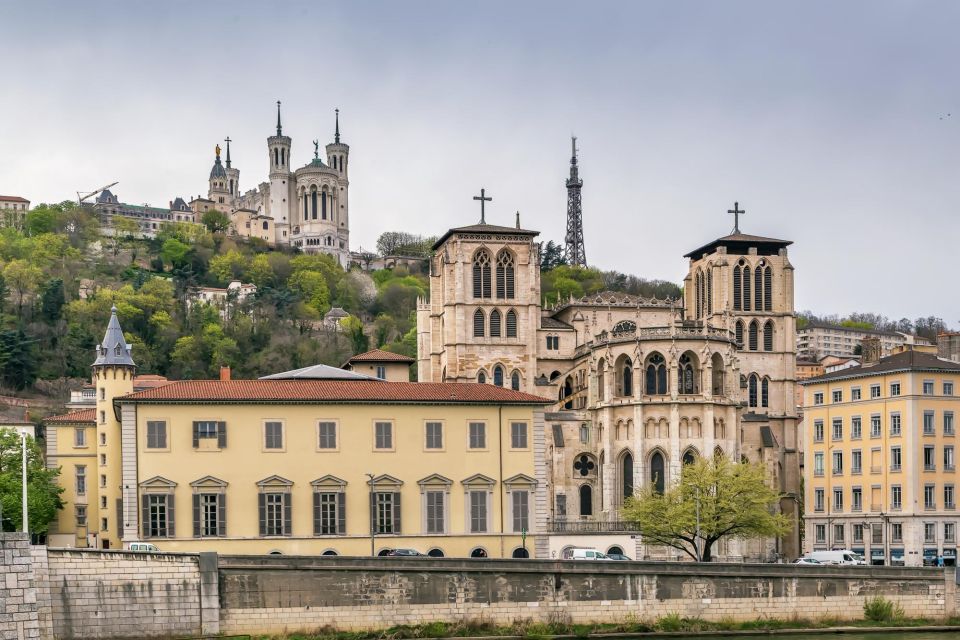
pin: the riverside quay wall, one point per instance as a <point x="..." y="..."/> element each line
<point x="70" y="593"/>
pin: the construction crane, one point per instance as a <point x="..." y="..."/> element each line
<point x="81" y="197"/>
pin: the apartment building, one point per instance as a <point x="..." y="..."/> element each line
<point x="880" y="457"/>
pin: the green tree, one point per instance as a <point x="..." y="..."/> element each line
<point x="43" y="490"/>
<point x="713" y="499"/>
<point x="215" y="221"/>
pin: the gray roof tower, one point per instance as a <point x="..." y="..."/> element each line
<point x="114" y="350"/>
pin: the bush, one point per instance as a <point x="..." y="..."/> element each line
<point x="879" y="609"/>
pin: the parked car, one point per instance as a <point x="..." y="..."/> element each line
<point x="844" y="556"/>
<point x="617" y="556"/>
<point x="806" y="561"/>
<point x="405" y="553"/>
<point x="143" y="547"/>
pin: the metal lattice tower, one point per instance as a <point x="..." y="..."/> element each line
<point x="573" y="250"/>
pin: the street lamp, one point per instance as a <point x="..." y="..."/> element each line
<point x="373" y="515"/>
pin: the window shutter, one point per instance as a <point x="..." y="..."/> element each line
<point x="145" y="512"/>
<point x="196" y="435"/>
<point x="222" y="434"/>
<point x="171" y="512"/>
<point x="287" y="509"/>
<point x="262" y="509"/>
<point x="316" y="513"/>
<point x="342" y="513"/>
<point x="222" y="514"/>
<point x="396" y="512"/>
<point x="196" y="515"/>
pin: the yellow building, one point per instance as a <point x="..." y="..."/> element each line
<point x="305" y="465"/>
<point x="880" y="467"/>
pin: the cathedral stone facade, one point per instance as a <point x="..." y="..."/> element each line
<point x="307" y="208"/>
<point x="641" y="385"/>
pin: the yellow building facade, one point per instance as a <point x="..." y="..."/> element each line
<point x="880" y="468"/>
<point x="303" y="466"/>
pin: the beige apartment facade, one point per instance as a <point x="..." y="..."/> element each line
<point x="880" y="468"/>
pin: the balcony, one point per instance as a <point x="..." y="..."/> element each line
<point x="592" y="526"/>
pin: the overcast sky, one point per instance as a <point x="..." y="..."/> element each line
<point x="826" y="120"/>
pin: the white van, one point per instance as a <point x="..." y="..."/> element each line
<point x="587" y="554"/>
<point x="837" y="557"/>
<point x="143" y="547"/>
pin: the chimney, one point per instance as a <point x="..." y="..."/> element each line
<point x="870" y="350"/>
<point x="225" y="374"/>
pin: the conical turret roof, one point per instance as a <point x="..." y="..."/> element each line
<point x="113" y="351"/>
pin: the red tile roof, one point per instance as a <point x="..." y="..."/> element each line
<point x="331" y="392"/>
<point x="379" y="355"/>
<point x="74" y="417"/>
<point x="14" y="199"/>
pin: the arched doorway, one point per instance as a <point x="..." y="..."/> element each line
<point x="626" y="471"/>
<point x="657" y="470"/>
<point x="586" y="500"/>
<point x="520" y="552"/>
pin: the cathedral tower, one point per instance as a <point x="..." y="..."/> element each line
<point x="278" y="208"/>
<point x="113" y="372"/>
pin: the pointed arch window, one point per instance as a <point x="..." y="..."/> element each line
<point x="494" y="324"/>
<point x="515" y="381"/>
<point x="752" y="383"/>
<point x="767" y="289"/>
<point x="754" y="331"/>
<point x="739" y="332"/>
<point x="498" y="376"/>
<point x="765" y="393"/>
<point x="736" y="288"/>
<point x="657" y="469"/>
<point x="511" y="324"/>
<point x="505" y="288"/>
<point x="746" y="288"/>
<point x="758" y="288"/>
<point x="478" y="324"/>
<point x="481" y="274"/>
<point x="768" y="336"/>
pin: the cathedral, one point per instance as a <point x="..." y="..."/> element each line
<point x="641" y="386"/>
<point x="307" y="208"/>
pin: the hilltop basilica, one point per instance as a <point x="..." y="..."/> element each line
<point x="306" y="207"/>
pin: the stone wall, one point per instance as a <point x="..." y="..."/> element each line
<point x="117" y="594"/>
<point x="19" y="619"/>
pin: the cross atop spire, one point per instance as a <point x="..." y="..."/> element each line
<point x="227" y="140"/>
<point x="279" y="127"/>
<point x="483" y="198"/>
<point x="737" y="212"/>
<point x="336" y="134"/>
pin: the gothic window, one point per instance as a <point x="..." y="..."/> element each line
<point x="768" y="336"/>
<point x="709" y="290"/>
<point x="478" y="324"/>
<point x="626" y="472"/>
<point x="481" y="274"/>
<point x="752" y="390"/>
<point x="505" y="274"/>
<point x="498" y="376"/>
<point x="687" y="374"/>
<point x="739" y="338"/>
<point x="765" y="393"/>
<point x="494" y="324"/>
<point x="754" y="331"/>
<point x="511" y="324"/>
<point x="657" y="472"/>
<point x="758" y="287"/>
<point x="515" y="381"/>
<point x="767" y="289"/>
<point x="746" y="288"/>
<point x="736" y="288"/>
<point x="656" y="375"/>
<point x="586" y="500"/>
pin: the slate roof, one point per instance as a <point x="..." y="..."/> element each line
<point x="113" y="350"/>
<point x="379" y="355"/>
<point x="904" y="361"/>
<point x="74" y="417"/>
<point x="484" y="228"/>
<point x="330" y="392"/>
<point x="741" y="241"/>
